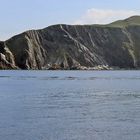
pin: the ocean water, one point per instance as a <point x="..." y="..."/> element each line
<point x="69" y="105"/>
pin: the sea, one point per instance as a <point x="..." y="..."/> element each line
<point x="69" y="105"/>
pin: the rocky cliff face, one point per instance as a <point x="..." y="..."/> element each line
<point x="6" y="58"/>
<point x="75" y="47"/>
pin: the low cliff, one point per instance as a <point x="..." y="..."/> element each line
<point x="116" y="45"/>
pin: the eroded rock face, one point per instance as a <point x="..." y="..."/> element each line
<point x="7" y="60"/>
<point x="74" y="47"/>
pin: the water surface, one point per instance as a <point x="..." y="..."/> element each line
<point x="69" y="105"/>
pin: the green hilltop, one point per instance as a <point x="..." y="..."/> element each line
<point x="132" y="21"/>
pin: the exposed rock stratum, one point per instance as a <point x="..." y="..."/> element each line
<point x="116" y="45"/>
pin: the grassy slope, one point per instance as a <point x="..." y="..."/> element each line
<point x="132" y="21"/>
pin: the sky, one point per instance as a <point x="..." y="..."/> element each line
<point x="20" y="15"/>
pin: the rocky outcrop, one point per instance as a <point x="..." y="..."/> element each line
<point x="7" y="60"/>
<point x="116" y="45"/>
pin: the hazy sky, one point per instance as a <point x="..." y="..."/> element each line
<point x="20" y="15"/>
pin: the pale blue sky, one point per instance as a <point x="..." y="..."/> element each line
<point x="20" y="15"/>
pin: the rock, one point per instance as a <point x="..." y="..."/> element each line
<point x="6" y="58"/>
<point x="76" y="47"/>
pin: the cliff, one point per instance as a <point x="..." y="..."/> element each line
<point x="116" y="45"/>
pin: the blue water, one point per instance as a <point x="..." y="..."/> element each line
<point x="69" y="105"/>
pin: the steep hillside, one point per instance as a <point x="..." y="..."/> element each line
<point x="116" y="45"/>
